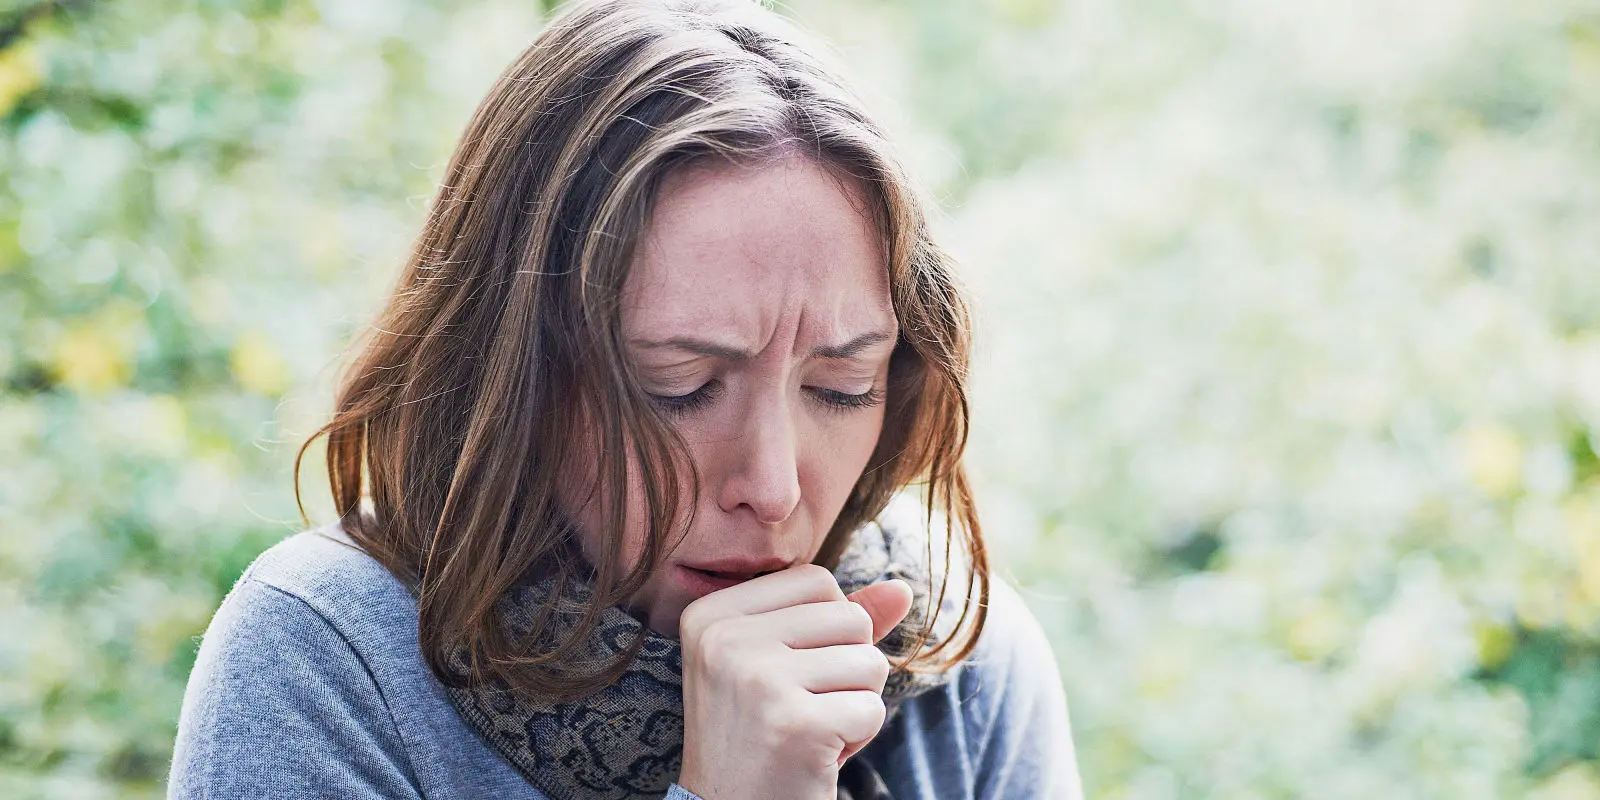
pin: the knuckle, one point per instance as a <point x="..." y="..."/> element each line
<point x="788" y="723"/>
<point x="877" y="663"/>
<point x="720" y="636"/>
<point x="879" y="711"/>
<point x="757" y="684"/>
<point x="816" y="573"/>
<point x="873" y="710"/>
<point x="874" y="703"/>
<point x="862" y="718"/>
<point x="750" y="685"/>
<point x="693" y="621"/>
<point x="861" y="619"/>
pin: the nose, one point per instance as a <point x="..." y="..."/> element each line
<point x="764" y="471"/>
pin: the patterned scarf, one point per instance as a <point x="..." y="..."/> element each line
<point x="626" y="741"/>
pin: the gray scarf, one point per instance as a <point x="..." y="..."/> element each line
<point x="626" y="741"/>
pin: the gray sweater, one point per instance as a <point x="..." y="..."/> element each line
<point x="310" y="683"/>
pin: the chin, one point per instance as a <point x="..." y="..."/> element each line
<point x="663" y="618"/>
<point x="666" y="626"/>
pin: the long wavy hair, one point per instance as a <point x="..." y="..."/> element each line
<point x="456" y="417"/>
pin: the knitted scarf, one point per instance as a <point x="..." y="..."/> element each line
<point x="626" y="741"/>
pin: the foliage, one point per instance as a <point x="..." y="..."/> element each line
<point x="1288" y="393"/>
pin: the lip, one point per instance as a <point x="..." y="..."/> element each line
<point x="699" y="580"/>
<point x="740" y="566"/>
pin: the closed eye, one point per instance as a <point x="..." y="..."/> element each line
<point x="845" y="401"/>
<point x="830" y="399"/>
<point x="685" y="403"/>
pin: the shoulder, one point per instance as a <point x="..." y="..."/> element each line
<point x="1012" y="678"/>
<point x="1017" y="706"/>
<point x="331" y="575"/>
<point x="1013" y="653"/>
<point x="289" y="665"/>
<point x="321" y="574"/>
<point x="347" y="589"/>
<point x="318" y="597"/>
<point x="999" y="728"/>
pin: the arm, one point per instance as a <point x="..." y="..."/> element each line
<point x="279" y="705"/>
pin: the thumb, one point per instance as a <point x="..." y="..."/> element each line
<point x="887" y="603"/>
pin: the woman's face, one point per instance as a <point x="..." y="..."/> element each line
<point x="757" y="313"/>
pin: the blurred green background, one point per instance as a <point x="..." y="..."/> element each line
<point x="1288" y="390"/>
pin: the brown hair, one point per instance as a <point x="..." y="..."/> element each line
<point x="454" y="423"/>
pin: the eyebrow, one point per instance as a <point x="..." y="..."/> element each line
<point x="834" y="352"/>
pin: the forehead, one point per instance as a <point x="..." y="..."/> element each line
<point x="740" y="250"/>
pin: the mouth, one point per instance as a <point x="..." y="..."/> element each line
<point x="701" y="581"/>
<point x="730" y="575"/>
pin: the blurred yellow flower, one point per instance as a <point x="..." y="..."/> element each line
<point x="1316" y="632"/>
<point x="1492" y="455"/>
<point x="1574" y="782"/>
<point x="51" y="660"/>
<point x="171" y="625"/>
<point x="91" y="357"/>
<point x="10" y="249"/>
<point x="1494" y="641"/>
<point x="19" y="74"/>
<point x="1583" y="534"/>
<point x="1031" y="13"/>
<point x="257" y="365"/>
<point x="1584" y="41"/>
<point x="1540" y="602"/>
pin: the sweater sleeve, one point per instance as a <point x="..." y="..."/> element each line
<point x="998" y="731"/>
<point x="280" y="705"/>
<point x="1025" y="748"/>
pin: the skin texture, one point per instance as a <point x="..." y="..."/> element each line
<point x="763" y="267"/>
<point x="781" y="683"/>
<point x="776" y="262"/>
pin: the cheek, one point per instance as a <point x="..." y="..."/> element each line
<point x="582" y="499"/>
<point x="635" y="524"/>
<point x="595" y="517"/>
<point x="861" y="438"/>
<point x="839" y="453"/>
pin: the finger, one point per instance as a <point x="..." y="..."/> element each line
<point x="851" y="750"/>
<point x="854" y="716"/>
<point x="854" y="748"/>
<point x="887" y="603"/>
<point x="797" y="585"/>
<point x="840" y="668"/>
<point x="818" y="624"/>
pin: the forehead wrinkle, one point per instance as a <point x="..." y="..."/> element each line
<point x="751" y="265"/>
<point x="832" y="324"/>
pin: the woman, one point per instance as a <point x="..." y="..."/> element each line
<point x="615" y="470"/>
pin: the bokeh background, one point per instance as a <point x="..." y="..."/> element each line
<point x="1288" y="391"/>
